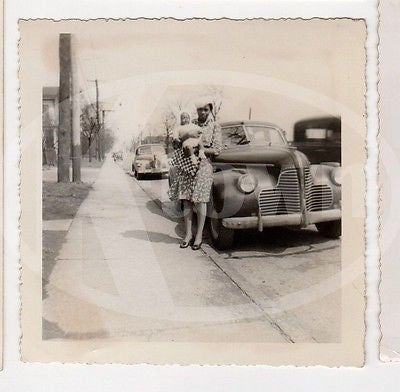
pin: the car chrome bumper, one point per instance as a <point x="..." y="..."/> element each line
<point x="251" y="222"/>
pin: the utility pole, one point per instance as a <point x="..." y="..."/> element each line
<point x="98" y="122"/>
<point x="76" y="119"/>
<point x="250" y="113"/>
<point x="65" y="120"/>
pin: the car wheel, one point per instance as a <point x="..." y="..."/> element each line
<point x="139" y="176"/>
<point x="332" y="229"/>
<point x="221" y="237"/>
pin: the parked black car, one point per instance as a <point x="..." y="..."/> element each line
<point x="260" y="181"/>
<point x="319" y="139"/>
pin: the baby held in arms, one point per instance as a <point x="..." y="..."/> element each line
<point x="190" y="136"/>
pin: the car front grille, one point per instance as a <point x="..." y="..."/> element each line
<point x="318" y="197"/>
<point x="285" y="197"/>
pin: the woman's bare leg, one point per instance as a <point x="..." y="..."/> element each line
<point x="201" y="209"/>
<point x="188" y="217"/>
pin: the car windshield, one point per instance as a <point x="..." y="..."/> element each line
<point x="234" y="136"/>
<point x="265" y="135"/>
<point x="260" y="135"/>
<point x="151" y="150"/>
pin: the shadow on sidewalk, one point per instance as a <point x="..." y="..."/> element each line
<point x="145" y="235"/>
<point x="166" y="210"/>
<point x="156" y="207"/>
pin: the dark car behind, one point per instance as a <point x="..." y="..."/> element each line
<point x="319" y="139"/>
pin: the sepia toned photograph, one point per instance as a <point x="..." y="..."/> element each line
<point x="193" y="191"/>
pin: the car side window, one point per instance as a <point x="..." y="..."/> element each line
<point x="233" y="136"/>
<point x="333" y="135"/>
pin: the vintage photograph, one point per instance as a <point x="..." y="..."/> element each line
<point x="192" y="191"/>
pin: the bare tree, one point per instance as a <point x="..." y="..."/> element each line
<point x="169" y="120"/>
<point x="89" y="126"/>
<point x="216" y="94"/>
<point x="44" y="142"/>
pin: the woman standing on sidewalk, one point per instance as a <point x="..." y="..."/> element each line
<point x="195" y="189"/>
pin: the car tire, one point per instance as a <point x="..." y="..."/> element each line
<point x="139" y="176"/>
<point x="332" y="229"/>
<point x="221" y="237"/>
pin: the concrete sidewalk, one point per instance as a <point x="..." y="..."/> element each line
<point x="121" y="273"/>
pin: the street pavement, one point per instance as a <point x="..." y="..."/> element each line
<point x="120" y="273"/>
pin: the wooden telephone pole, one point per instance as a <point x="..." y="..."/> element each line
<point x="69" y="129"/>
<point x="76" y="120"/>
<point x="65" y="120"/>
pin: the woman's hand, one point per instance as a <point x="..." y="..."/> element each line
<point x="202" y="154"/>
<point x="176" y="143"/>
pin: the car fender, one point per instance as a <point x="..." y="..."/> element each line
<point x="228" y="200"/>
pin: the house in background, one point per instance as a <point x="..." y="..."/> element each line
<point x="50" y="125"/>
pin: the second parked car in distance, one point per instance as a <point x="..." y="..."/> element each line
<point x="150" y="159"/>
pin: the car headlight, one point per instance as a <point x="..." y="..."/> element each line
<point x="247" y="183"/>
<point x="337" y="175"/>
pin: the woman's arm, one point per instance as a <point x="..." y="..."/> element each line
<point x="190" y="133"/>
<point x="210" y="152"/>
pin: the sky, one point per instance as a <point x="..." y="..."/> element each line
<point x="284" y="70"/>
